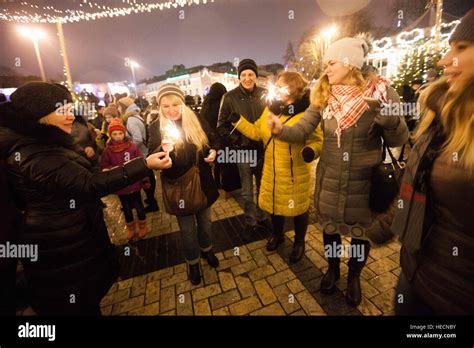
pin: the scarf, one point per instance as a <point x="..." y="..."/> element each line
<point x="347" y="105"/>
<point x="116" y="146"/>
<point x="377" y="89"/>
<point x="413" y="221"/>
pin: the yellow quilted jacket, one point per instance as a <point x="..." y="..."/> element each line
<point x="285" y="186"/>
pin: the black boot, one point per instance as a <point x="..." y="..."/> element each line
<point x="298" y="251"/>
<point x="194" y="274"/>
<point x="274" y="242"/>
<point x="356" y="264"/>
<point x="328" y="282"/>
<point x="210" y="258"/>
<point x="354" y="292"/>
<point x="152" y="207"/>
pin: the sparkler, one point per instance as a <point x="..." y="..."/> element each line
<point x="275" y="92"/>
<point x="171" y="134"/>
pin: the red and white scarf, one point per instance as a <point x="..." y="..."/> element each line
<point x="347" y="105"/>
<point x="378" y="89"/>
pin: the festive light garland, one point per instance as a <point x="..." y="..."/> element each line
<point x="101" y="11"/>
<point x="402" y="37"/>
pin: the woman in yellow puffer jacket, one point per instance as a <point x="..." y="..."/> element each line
<point x="285" y="186"/>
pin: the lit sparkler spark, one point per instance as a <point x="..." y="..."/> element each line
<point x="275" y="92"/>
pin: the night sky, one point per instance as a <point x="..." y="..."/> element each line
<point x="215" y="32"/>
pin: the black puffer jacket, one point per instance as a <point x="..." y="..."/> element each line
<point x="248" y="104"/>
<point x="59" y="196"/>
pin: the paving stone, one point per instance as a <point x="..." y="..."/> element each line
<point x="184" y="304"/>
<point x="128" y="305"/>
<point x="138" y="286"/>
<point x="295" y="286"/>
<point x="105" y="310"/>
<point x="167" y="299"/>
<point x="261" y="272"/>
<point x="180" y="268"/>
<point x="280" y="278"/>
<point x="368" y="308"/>
<point x="124" y="284"/>
<point x="186" y="286"/>
<point x="385" y="301"/>
<point x="277" y="262"/>
<point x="170" y="313"/>
<point x="368" y="290"/>
<point x="116" y="297"/>
<point x="381" y="252"/>
<point x="316" y="259"/>
<point x="257" y="245"/>
<point x="202" y="307"/>
<point x="244" y="254"/>
<point x="308" y="274"/>
<point x="224" y="299"/>
<point x="302" y="265"/>
<point x="299" y="313"/>
<point x="151" y="309"/>
<point x="273" y="309"/>
<point x="227" y="281"/>
<point x="260" y="258"/>
<point x="245" y="306"/>
<point x="174" y="279"/>
<point x="164" y="273"/>
<point x="222" y="311"/>
<point x="382" y="265"/>
<point x="152" y="293"/>
<point x="384" y="281"/>
<point x="113" y="288"/>
<point x="264" y="292"/>
<point x="206" y="292"/>
<point x="309" y="304"/>
<point x="243" y="268"/>
<point x="228" y="263"/>
<point x="245" y="286"/>
<point x="289" y="304"/>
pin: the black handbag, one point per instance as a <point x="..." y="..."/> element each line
<point x="385" y="180"/>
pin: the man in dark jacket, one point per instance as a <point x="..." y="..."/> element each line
<point x="246" y="100"/>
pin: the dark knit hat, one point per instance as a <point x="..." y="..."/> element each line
<point x="116" y="125"/>
<point x="36" y="99"/>
<point x="464" y="30"/>
<point x="169" y="89"/>
<point x="248" y="64"/>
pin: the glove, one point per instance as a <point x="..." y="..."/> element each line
<point x="308" y="154"/>
<point x="276" y="107"/>
<point x="387" y="121"/>
<point x="234" y="117"/>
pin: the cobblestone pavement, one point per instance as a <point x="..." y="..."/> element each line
<point x="249" y="281"/>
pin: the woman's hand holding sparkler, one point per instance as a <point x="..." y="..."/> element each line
<point x="159" y="161"/>
<point x="274" y="124"/>
<point x="211" y="157"/>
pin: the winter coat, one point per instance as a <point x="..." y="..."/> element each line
<point x="116" y="154"/>
<point x="59" y="196"/>
<point x="185" y="157"/>
<point x="83" y="138"/>
<point x="343" y="175"/>
<point x="136" y="127"/>
<point x="211" y="105"/>
<point x="242" y="102"/>
<point x="284" y="188"/>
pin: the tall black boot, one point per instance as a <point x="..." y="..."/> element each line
<point x="277" y="237"/>
<point x="211" y="259"/>
<point x="328" y="282"/>
<point x="356" y="264"/>
<point x="301" y="225"/>
<point x="194" y="274"/>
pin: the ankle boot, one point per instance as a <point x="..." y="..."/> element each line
<point x="142" y="229"/>
<point x="274" y="242"/>
<point x="298" y="251"/>
<point x="194" y="274"/>
<point x="131" y="229"/>
<point x="354" y="292"/>
<point x="328" y="282"/>
<point x="210" y="258"/>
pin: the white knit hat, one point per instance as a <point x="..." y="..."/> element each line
<point x="349" y="51"/>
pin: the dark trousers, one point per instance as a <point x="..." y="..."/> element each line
<point x="130" y="201"/>
<point x="300" y="223"/>
<point x="356" y="262"/>
<point x="150" y="193"/>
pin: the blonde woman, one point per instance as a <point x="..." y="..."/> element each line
<point x="435" y="221"/>
<point x="188" y="140"/>
<point x="284" y="189"/>
<point x="351" y="148"/>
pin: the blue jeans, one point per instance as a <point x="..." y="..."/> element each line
<point x="412" y="304"/>
<point x="195" y="238"/>
<point x="252" y="213"/>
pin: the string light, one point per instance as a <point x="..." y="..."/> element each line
<point x="101" y="11"/>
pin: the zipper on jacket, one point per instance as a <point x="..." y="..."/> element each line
<point x="274" y="177"/>
<point x="291" y="165"/>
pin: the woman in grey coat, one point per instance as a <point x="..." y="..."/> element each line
<point x="353" y="126"/>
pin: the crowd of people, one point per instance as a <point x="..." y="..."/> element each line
<point x="56" y="166"/>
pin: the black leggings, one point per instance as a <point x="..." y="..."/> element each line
<point x="300" y="223"/>
<point x="130" y="201"/>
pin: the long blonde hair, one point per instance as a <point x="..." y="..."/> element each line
<point x="320" y="93"/>
<point x="193" y="132"/>
<point x="455" y="109"/>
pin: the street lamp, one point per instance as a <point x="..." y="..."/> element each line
<point x="134" y="65"/>
<point x="35" y="35"/>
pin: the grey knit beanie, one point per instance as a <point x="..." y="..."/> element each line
<point x="465" y="30"/>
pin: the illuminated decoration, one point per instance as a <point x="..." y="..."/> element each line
<point x="231" y="75"/>
<point x="53" y="15"/>
<point x="410" y="37"/>
<point x="382" y="44"/>
<point x="446" y="29"/>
